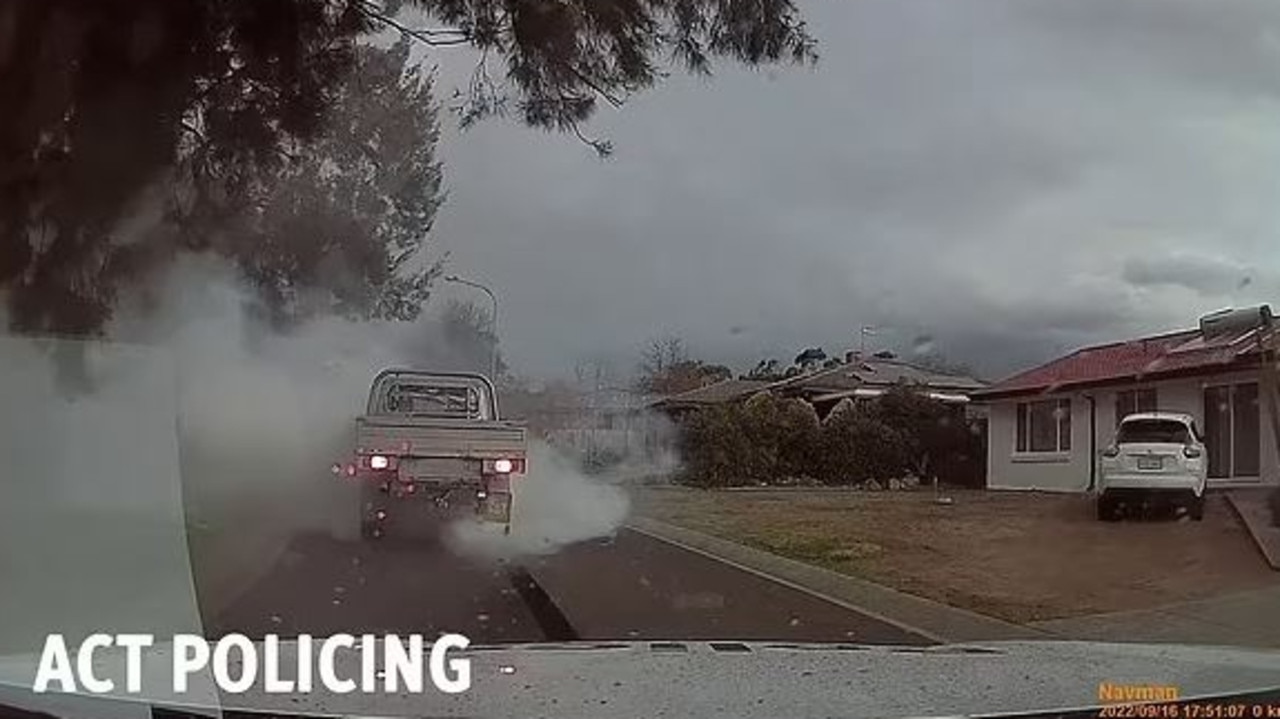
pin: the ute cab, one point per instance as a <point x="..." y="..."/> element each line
<point x="1156" y="458"/>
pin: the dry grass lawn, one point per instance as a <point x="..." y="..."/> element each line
<point x="1019" y="556"/>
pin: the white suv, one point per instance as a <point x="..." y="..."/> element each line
<point x="1156" y="457"/>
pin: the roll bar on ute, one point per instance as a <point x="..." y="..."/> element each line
<point x="441" y="395"/>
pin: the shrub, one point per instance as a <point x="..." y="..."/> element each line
<point x="855" y="446"/>
<point x="769" y="440"/>
<point x="966" y="464"/>
<point x="783" y="434"/>
<point x="940" y="440"/>
<point x="764" y="440"/>
<point x="713" y="447"/>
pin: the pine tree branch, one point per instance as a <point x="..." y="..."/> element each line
<point x="427" y="36"/>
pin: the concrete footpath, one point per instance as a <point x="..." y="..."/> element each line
<point x="934" y="620"/>
<point x="1249" y="619"/>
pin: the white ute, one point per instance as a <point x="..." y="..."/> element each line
<point x="1157" y="457"/>
<point x="427" y="438"/>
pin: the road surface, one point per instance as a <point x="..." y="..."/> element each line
<point x="628" y="587"/>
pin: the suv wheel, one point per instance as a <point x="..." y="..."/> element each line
<point x="1195" y="510"/>
<point x="1108" y="509"/>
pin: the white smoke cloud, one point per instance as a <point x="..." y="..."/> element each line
<point x="195" y="414"/>
<point x="554" y="505"/>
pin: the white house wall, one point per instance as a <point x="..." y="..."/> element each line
<point x="1069" y="472"/>
<point x="1187" y="395"/>
<point x="1057" y="472"/>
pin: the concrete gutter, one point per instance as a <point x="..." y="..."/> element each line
<point x="932" y="620"/>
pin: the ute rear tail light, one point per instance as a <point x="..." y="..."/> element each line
<point x="514" y="465"/>
<point x="379" y="462"/>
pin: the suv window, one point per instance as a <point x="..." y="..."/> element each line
<point x="1154" y="431"/>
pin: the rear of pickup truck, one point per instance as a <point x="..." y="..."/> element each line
<point x="431" y="447"/>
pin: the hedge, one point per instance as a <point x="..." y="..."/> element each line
<point x="771" y="440"/>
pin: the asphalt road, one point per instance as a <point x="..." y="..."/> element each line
<point x="628" y="587"/>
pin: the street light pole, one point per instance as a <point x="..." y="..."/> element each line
<point x="493" y="318"/>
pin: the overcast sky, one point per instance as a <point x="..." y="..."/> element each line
<point x="1015" y="178"/>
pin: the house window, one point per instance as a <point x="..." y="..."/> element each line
<point x="1044" y="426"/>
<point x="1132" y="401"/>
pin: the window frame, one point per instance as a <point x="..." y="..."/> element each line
<point x="1135" y="394"/>
<point x="1023" y="423"/>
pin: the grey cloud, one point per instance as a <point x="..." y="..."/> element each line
<point x="1206" y="275"/>
<point x="981" y="171"/>
<point x="1224" y="47"/>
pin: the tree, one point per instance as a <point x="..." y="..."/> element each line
<point x="106" y="99"/>
<point x="467" y="330"/>
<point x="338" y="229"/>
<point x="666" y="369"/>
<point x="783" y="434"/>
<point x="662" y="354"/>
<point x="765" y="371"/>
<point x="937" y="437"/>
<point x="684" y="376"/>
<point x="659" y="363"/>
<point x="765" y="440"/>
<point x="714" y="449"/>
<point x="100" y="99"/>
<point x="856" y="445"/>
<point x="712" y="373"/>
<point x="810" y="358"/>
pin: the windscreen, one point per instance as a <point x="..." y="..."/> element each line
<point x="1154" y="431"/>
<point x="644" y="322"/>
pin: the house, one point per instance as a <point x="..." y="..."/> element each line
<point x="722" y="392"/>
<point x="1047" y="425"/>
<point x="862" y="378"/>
<point x="857" y="378"/>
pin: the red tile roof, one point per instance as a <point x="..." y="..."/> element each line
<point x="1146" y="357"/>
